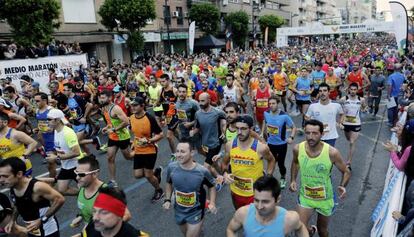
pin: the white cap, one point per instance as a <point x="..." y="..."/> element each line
<point x="60" y="75"/>
<point x="57" y="114"/>
<point x="203" y="75"/>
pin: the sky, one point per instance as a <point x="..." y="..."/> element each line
<point x="382" y="5"/>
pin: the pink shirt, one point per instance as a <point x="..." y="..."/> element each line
<point x="400" y="162"/>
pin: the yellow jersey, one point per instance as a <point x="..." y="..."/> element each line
<point x="10" y="149"/>
<point x="246" y="166"/>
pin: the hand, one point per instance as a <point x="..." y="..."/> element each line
<point x="192" y="133"/>
<point x="166" y="205"/>
<point x="222" y="136"/>
<point x="105" y="130"/>
<point x="293" y="186"/>
<point x="36" y="130"/>
<point x="216" y="157"/>
<point x="82" y="120"/>
<point x="212" y="208"/>
<point x="9" y="227"/>
<point x="187" y="124"/>
<point x="228" y="179"/>
<point x="51" y="157"/>
<point x="397" y="215"/>
<point x="289" y="140"/>
<point x="342" y="192"/>
<point x="34" y="225"/>
<point x="389" y="146"/>
<point x="76" y="222"/>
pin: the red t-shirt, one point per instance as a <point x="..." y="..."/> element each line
<point x="213" y="96"/>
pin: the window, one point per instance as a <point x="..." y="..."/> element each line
<point x="167" y="15"/>
<point x="268" y="4"/>
<point x="234" y="1"/>
<point x="79" y="11"/>
<point x="276" y="5"/>
<point x="180" y="18"/>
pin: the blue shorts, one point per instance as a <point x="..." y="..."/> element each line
<point x="330" y="142"/>
<point x="79" y="128"/>
<point x="191" y="218"/>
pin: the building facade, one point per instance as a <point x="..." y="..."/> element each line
<point x="305" y="12"/>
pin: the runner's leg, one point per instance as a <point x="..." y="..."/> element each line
<point x="322" y="224"/>
<point x="305" y="214"/>
<point x="111" y="161"/>
<point x="194" y="230"/>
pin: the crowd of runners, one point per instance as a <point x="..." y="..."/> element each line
<point x="235" y="109"/>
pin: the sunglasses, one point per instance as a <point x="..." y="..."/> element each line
<point x="83" y="174"/>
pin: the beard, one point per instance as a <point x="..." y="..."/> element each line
<point x="103" y="104"/>
<point x="204" y="106"/>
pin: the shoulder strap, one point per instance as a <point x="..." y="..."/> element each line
<point x="9" y="133"/>
<point x="254" y="145"/>
<point x="234" y="145"/>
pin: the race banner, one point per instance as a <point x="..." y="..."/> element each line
<point x="38" y="68"/>
<point x="400" y="20"/>
<point x="191" y="35"/>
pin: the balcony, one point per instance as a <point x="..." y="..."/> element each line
<point x="283" y="3"/>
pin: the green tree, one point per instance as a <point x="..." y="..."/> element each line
<point x="412" y="14"/>
<point x="206" y="16"/>
<point x="31" y="21"/>
<point x="131" y="15"/>
<point x="238" y="22"/>
<point x="271" y="21"/>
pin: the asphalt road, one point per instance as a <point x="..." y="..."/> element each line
<point x="352" y="217"/>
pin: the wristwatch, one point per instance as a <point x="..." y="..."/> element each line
<point x="44" y="219"/>
<point x="292" y="137"/>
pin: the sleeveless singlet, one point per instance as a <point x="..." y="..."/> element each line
<point x="253" y="228"/>
<point x="154" y="97"/>
<point x="278" y="81"/>
<point x="122" y="105"/>
<point x="85" y="205"/>
<point x="357" y="78"/>
<point x="230" y="95"/>
<point x="303" y="84"/>
<point x="262" y="100"/>
<point x="352" y="110"/>
<point x="31" y="210"/>
<point x="230" y="135"/>
<point x="315" y="174"/>
<point x="43" y="125"/>
<point x="120" y="135"/>
<point x="168" y="100"/>
<point x="247" y="167"/>
<point x="9" y="149"/>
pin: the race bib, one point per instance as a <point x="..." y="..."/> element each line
<point x="181" y="114"/>
<point x="185" y="199"/>
<point x="277" y="92"/>
<point x="73" y="114"/>
<point x="272" y="130"/>
<point x="262" y="103"/>
<point x="350" y="119"/>
<point x="168" y="119"/>
<point x="138" y="142"/>
<point x="204" y="148"/>
<point x="318" y="81"/>
<point x="43" y="126"/>
<point x="315" y="193"/>
<point x="243" y="184"/>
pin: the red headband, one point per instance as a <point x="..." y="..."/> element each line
<point x="110" y="204"/>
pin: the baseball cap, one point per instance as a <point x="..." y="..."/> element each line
<point x="35" y="84"/>
<point x="26" y="78"/>
<point x="57" y="114"/>
<point x="138" y="101"/>
<point x="4" y="103"/>
<point x="247" y="119"/>
<point x="60" y="75"/>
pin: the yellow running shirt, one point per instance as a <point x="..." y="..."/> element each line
<point x="247" y="167"/>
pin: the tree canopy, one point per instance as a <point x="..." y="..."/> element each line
<point x="31" y="21"/>
<point x="130" y="15"/>
<point x="238" y="22"/>
<point x="206" y="16"/>
<point x="271" y="21"/>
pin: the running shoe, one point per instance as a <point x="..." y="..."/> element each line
<point x="282" y="183"/>
<point x="158" y="173"/>
<point x="104" y="148"/>
<point x="158" y="194"/>
<point x="313" y="231"/>
<point x="97" y="142"/>
<point x="112" y="184"/>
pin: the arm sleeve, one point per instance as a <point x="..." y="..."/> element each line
<point x="400" y="162"/>
<point x="71" y="138"/>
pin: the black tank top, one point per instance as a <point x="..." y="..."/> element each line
<point x="28" y="209"/>
<point x="167" y="97"/>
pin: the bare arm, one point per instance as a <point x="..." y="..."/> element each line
<point x="29" y="142"/>
<point x="236" y="223"/>
<point x="226" y="158"/>
<point x="75" y="151"/>
<point x="55" y="198"/>
<point x="267" y="155"/>
<point x="295" y="224"/>
<point x="294" y="168"/>
<point x="337" y="160"/>
<point x="122" y="116"/>
<point x="19" y="118"/>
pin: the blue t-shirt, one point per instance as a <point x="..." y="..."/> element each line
<point x="395" y="80"/>
<point x="303" y="84"/>
<point x="276" y="127"/>
<point x="317" y="78"/>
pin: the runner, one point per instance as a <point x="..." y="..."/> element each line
<point x="121" y="100"/>
<point x="67" y="150"/>
<point x="378" y="82"/>
<point x="280" y="84"/>
<point x="108" y="211"/>
<point x="6" y="215"/>
<point x="352" y="106"/>
<point x="327" y="112"/>
<point x="147" y="133"/>
<point x="315" y="159"/>
<point x="15" y="143"/>
<point x="245" y="154"/>
<point x="264" y="217"/>
<point x="317" y="77"/>
<point x="230" y="91"/>
<point x="358" y="77"/>
<point x="168" y="98"/>
<point x="303" y="89"/>
<point x="334" y="83"/>
<point x="259" y="99"/>
<point x="187" y="179"/>
<point x="154" y="93"/>
<point x="118" y="134"/>
<point x="276" y="123"/>
<point x="205" y="88"/>
<point x="36" y="202"/>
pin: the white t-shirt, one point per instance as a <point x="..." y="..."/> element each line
<point x="327" y="115"/>
<point x="64" y="141"/>
<point x="339" y="72"/>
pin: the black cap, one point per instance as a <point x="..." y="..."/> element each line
<point x="247" y="119"/>
<point x="138" y="101"/>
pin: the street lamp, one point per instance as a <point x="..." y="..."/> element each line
<point x="254" y="8"/>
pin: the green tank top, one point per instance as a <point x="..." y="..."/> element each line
<point x="230" y="135"/>
<point x="315" y="174"/>
<point x="154" y="97"/>
<point x="121" y="134"/>
<point x="85" y="205"/>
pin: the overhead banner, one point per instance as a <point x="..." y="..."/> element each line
<point x="191" y="35"/>
<point x="38" y="68"/>
<point x="400" y="19"/>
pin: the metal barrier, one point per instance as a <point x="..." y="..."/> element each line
<point x="392" y="197"/>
